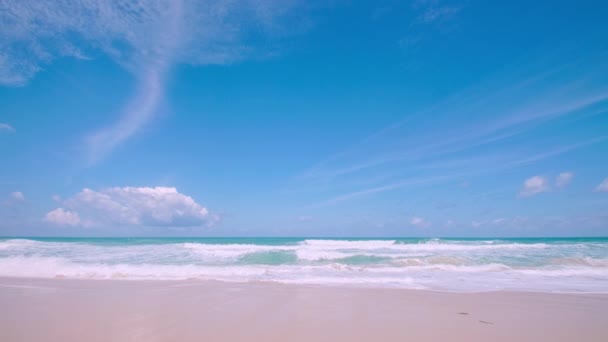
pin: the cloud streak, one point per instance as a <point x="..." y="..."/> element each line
<point x="419" y="222"/>
<point x="138" y="111"/>
<point x="481" y="130"/>
<point x="6" y="128"/>
<point x="603" y="186"/>
<point x="18" y="196"/>
<point x="146" y="37"/>
<point x="563" y="179"/>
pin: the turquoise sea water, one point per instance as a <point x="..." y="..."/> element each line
<point x="539" y="264"/>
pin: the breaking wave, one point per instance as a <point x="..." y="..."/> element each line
<point x="451" y="265"/>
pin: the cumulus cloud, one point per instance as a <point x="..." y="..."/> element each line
<point x="603" y="186"/>
<point x="18" y="196"/>
<point x="62" y="217"/>
<point x="137" y="206"/>
<point x="534" y="185"/>
<point x="563" y="179"/>
<point x="419" y="222"/>
<point x="4" y="127"/>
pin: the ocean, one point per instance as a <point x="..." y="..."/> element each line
<point x="578" y="265"/>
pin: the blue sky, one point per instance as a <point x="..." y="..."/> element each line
<point x="289" y="118"/>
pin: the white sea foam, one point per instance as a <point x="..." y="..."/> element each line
<point x="358" y="244"/>
<point x="232" y="251"/>
<point x="16" y="243"/>
<point x="434" y="264"/>
<point x="431" y="245"/>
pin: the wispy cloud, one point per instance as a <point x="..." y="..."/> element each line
<point x="485" y="129"/>
<point x="138" y="111"/>
<point x="146" y="37"/>
<point x="419" y="222"/>
<point x="6" y="128"/>
<point x="603" y="186"/>
<point x="438" y="12"/>
<point x="387" y="187"/>
<point x="305" y="218"/>
<point x="18" y="196"/>
<point x="563" y="179"/>
<point x="431" y="17"/>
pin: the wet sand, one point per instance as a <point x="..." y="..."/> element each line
<point x="113" y="310"/>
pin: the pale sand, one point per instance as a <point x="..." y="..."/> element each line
<point x="99" y="310"/>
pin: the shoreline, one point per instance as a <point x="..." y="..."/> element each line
<point x="336" y="286"/>
<point x="190" y="310"/>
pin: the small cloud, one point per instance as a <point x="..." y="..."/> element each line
<point x="434" y="14"/>
<point x="603" y="187"/>
<point x="445" y="205"/>
<point x="496" y="222"/>
<point x="305" y="218"/>
<point x="534" y="185"/>
<point x="56" y="198"/>
<point x="430" y="17"/>
<point x="563" y="179"/>
<point x="18" y="196"/>
<point x="419" y="222"/>
<point x="63" y="217"/>
<point x="499" y="220"/>
<point x="6" y="128"/>
<point x="448" y="223"/>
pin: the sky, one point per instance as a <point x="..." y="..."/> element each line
<point x="303" y="118"/>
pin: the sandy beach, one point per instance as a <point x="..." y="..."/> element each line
<point x="115" y="310"/>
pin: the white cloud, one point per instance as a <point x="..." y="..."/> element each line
<point x="133" y="33"/>
<point x="6" y="127"/>
<point x="534" y="185"/>
<point x="419" y="222"/>
<point x="62" y="217"/>
<point x="496" y="222"/>
<point x="563" y="179"/>
<point x="18" y="196"/>
<point x="434" y="14"/>
<point x="141" y="206"/>
<point x="136" y="114"/>
<point x="603" y="186"/>
<point x="499" y="220"/>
